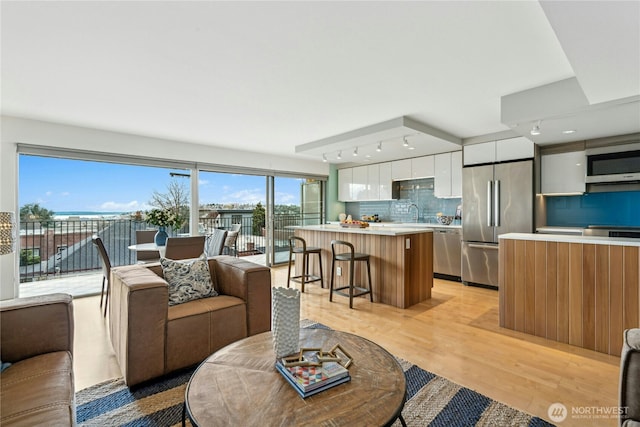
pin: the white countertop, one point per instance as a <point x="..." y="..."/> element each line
<point x="397" y="230"/>
<point x="595" y="240"/>
<point x="406" y="225"/>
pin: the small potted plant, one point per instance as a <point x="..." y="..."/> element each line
<point x="163" y="218"/>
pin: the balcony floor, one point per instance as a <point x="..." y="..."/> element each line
<point x="85" y="284"/>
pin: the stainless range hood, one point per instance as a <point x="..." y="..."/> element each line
<point x="608" y="187"/>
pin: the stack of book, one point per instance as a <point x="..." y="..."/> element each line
<point x="309" y="380"/>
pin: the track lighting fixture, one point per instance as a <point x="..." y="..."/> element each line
<point x="536" y="129"/>
<point x="379" y="149"/>
<point x="405" y="143"/>
<point x="355" y="152"/>
<point x="324" y="157"/>
<point x="340" y="155"/>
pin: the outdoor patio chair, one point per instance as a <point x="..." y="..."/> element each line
<point x="231" y="243"/>
<point x="106" y="271"/>
<point x="184" y="247"/>
<point x="215" y="242"/>
<point x="146" y="236"/>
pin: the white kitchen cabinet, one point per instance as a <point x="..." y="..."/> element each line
<point x="514" y="149"/>
<point x="499" y="151"/>
<point x="373" y="182"/>
<point x="563" y="173"/>
<point x="359" y="183"/>
<point x="345" y="178"/>
<point x="370" y="182"/>
<point x="401" y="169"/>
<point x="442" y="180"/>
<point x="423" y="167"/>
<point x="456" y="174"/>
<point x="448" y="177"/>
<point x="385" y="181"/>
<point x="484" y="152"/>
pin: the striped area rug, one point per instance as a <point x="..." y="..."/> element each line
<point x="431" y="401"/>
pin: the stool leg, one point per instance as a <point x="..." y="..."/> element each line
<point x="369" y="274"/>
<point x="106" y="299"/>
<point x="351" y="277"/>
<point x="305" y="267"/>
<point x="320" y="266"/>
<point x="102" y="292"/>
<point x="289" y="271"/>
<point x="333" y="264"/>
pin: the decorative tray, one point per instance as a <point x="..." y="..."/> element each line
<point x="354" y="225"/>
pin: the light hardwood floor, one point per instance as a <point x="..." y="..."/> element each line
<point x="455" y="335"/>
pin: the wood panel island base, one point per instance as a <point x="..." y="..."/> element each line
<point x="583" y="291"/>
<point x="401" y="260"/>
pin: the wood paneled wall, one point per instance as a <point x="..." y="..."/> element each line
<point x="400" y="277"/>
<point x="581" y="294"/>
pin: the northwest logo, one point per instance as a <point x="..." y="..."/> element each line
<point x="557" y="412"/>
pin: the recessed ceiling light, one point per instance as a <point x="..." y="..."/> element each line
<point x="536" y="129"/>
<point x="569" y="131"/>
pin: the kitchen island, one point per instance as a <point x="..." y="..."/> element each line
<point x="579" y="290"/>
<point x="401" y="260"/>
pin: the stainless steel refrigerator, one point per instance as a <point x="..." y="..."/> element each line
<point x="496" y="199"/>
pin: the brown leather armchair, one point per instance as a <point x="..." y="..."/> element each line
<point x="36" y="337"/>
<point x="151" y="338"/>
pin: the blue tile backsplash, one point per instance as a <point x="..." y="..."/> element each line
<point x="619" y="209"/>
<point x="418" y="192"/>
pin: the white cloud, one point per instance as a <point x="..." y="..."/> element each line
<point x="246" y="196"/>
<point x="203" y="182"/>
<point x="65" y="194"/>
<point x="285" y="198"/>
<point x="131" y="206"/>
<point x="48" y="193"/>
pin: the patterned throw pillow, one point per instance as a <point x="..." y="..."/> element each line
<point x="188" y="279"/>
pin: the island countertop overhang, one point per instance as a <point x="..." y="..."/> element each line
<point x="561" y="238"/>
<point x="381" y="231"/>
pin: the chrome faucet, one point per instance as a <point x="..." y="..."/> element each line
<point x="415" y="217"/>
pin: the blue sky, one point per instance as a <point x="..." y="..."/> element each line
<point x="63" y="185"/>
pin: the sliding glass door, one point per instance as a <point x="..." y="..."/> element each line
<point x="291" y="202"/>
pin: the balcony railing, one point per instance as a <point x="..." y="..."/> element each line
<point x="56" y="248"/>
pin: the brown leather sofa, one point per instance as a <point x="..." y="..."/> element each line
<point x="36" y="337"/>
<point x="151" y="338"/>
<point x="630" y="379"/>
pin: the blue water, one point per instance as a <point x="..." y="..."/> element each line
<point x="85" y="213"/>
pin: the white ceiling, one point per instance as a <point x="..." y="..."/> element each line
<point x="271" y="76"/>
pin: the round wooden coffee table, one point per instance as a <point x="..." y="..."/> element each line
<point x="239" y="385"/>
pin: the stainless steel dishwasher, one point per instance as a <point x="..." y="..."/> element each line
<point x="447" y="248"/>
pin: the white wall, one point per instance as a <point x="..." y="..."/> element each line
<point x="9" y="278"/>
<point x="24" y="131"/>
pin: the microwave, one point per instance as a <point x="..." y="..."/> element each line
<point x="613" y="164"/>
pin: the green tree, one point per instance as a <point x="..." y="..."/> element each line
<point x="175" y="200"/>
<point x="258" y="219"/>
<point x="27" y="257"/>
<point x="34" y="212"/>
